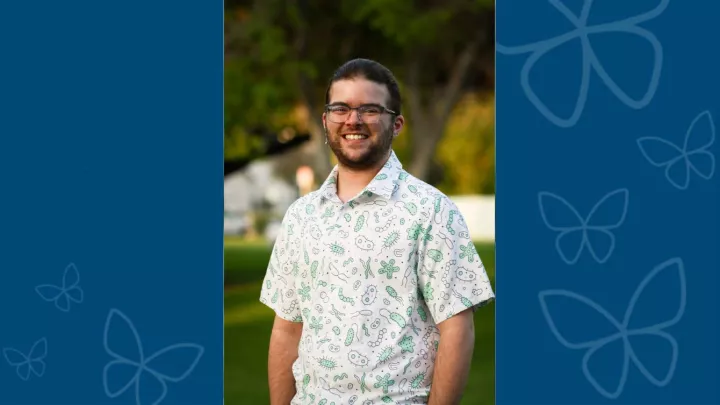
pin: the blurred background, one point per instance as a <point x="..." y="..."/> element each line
<point x="279" y="55"/>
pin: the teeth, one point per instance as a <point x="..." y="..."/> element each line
<point x="355" y="137"/>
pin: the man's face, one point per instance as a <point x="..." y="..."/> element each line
<point x="376" y="132"/>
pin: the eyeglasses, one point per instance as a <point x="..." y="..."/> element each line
<point x="368" y="113"/>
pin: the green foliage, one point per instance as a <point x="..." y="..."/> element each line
<point x="400" y="21"/>
<point x="260" y="81"/>
<point x="280" y="53"/>
<point x="467" y="150"/>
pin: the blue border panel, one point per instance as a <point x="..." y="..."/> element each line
<point x="607" y="201"/>
<point x="111" y="147"/>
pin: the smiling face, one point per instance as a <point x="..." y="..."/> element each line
<point x="361" y="142"/>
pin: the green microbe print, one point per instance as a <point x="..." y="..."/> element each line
<point x="327" y="364"/>
<point x="337" y="249"/>
<point x="391" y="291"/>
<point x="350" y="336"/>
<point x="360" y="221"/>
<point x="435" y="255"/>
<point x="464" y="300"/>
<point x="417" y="380"/>
<point x="398" y="319"/>
<point x="391" y="240"/>
<point x="422" y="313"/>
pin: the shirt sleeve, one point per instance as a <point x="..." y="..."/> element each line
<point x="279" y="290"/>
<point x="451" y="274"/>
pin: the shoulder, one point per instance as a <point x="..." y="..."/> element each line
<point x="303" y="206"/>
<point x="419" y="192"/>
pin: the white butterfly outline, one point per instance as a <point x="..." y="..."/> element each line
<point x="24" y="364"/>
<point x="584" y="225"/>
<point x="682" y="155"/>
<point x="142" y="363"/>
<point x="589" y="59"/>
<point x="623" y="330"/>
<point x="70" y="290"/>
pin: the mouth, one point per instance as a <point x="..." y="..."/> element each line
<point x="355" y="137"/>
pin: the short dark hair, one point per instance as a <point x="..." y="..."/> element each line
<point x="370" y="70"/>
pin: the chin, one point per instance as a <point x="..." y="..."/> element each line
<point x="363" y="160"/>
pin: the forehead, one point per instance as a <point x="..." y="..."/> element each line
<point x="358" y="91"/>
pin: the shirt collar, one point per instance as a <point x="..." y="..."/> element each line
<point x="384" y="184"/>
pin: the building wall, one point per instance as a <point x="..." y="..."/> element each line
<point x="479" y="214"/>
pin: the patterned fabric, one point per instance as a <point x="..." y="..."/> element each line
<point x="370" y="279"/>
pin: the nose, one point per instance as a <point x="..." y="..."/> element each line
<point x="354" y="117"/>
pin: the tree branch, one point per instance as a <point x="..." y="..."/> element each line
<point x="452" y="91"/>
<point x="412" y="90"/>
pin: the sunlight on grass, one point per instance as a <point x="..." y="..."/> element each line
<point x="247" y="313"/>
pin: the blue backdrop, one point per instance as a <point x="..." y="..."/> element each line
<point x="607" y="226"/>
<point x="111" y="148"/>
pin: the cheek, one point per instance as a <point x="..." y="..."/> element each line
<point x="380" y="129"/>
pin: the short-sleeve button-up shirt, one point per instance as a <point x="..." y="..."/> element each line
<point x="370" y="279"/>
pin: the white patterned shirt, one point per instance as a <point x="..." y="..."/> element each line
<point x="370" y="279"/>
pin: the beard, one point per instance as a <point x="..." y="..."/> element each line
<point x="370" y="155"/>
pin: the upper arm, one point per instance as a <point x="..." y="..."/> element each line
<point x="287" y="328"/>
<point x="451" y="275"/>
<point x="279" y="291"/>
<point x="461" y="324"/>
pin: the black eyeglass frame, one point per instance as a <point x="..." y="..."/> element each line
<point x="383" y="109"/>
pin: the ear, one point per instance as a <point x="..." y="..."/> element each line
<point x="324" y="121"/>
<point x="398" y="124"/>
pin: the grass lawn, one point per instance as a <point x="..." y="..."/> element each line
<point x="248" y="324"/>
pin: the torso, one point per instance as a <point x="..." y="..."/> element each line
<point x="350" y="274"/>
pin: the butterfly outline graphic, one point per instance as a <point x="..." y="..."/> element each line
<point x="623" y="330"/>
<point x="682" y="156"/>
<point x="33" y="361"/>
<point x="70" y="290"/>
<point x="143" y="363"/>
<point x="584" y="225"/>
<point x="589" y="60"/>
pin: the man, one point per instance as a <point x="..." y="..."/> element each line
<point x="373" y="277"/>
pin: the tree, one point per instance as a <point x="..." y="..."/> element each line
<point x="443" y="49"/>
<point x="279" y="54"/>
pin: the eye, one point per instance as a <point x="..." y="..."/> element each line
<point x="339" y="109"/>
<point x="371" y="110"/>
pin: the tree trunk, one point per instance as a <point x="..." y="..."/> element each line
<point x="323" y="165"/>
<point x="425" y="140"/>
<point x="430" y="117"/>
<point x="321" y="152"/>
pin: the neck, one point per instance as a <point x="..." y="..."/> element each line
<point x="350" y="181"/>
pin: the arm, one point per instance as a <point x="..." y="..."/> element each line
<point x="283" y="352"/>
<point x="453" y="283"/>
<point x="452" y="363"/>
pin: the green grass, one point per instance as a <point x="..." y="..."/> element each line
<point x="245" y="261"/>
<point x="248" y="324"/>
